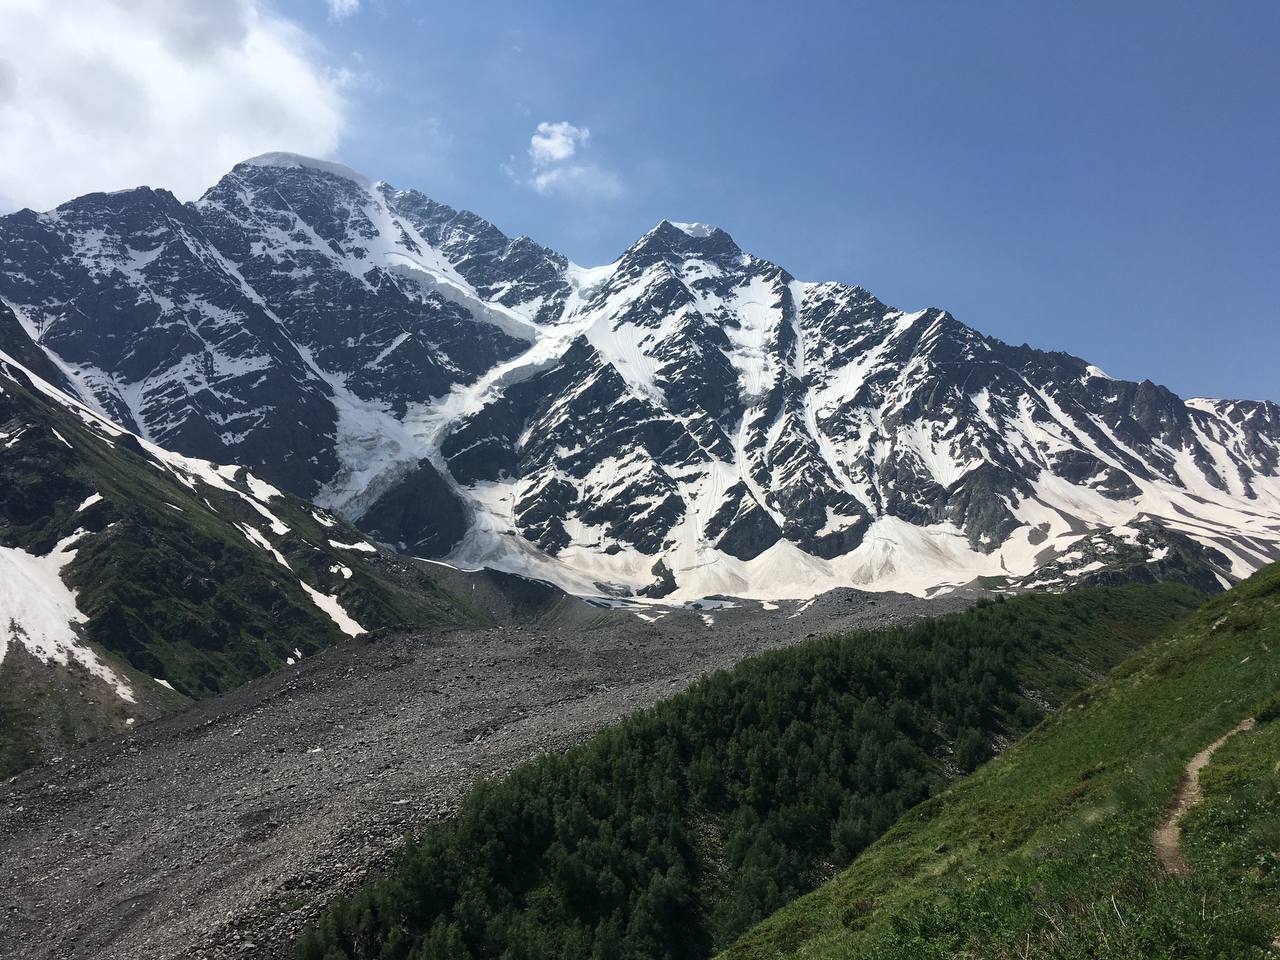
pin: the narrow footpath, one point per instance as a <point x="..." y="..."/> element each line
<point x="1167" y="837"/>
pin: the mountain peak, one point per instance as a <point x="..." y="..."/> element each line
<point x="672" y="238"/>
<point x="695" y="229"/>
<point x="296" y="160"/>
<point x="140" y="196"/>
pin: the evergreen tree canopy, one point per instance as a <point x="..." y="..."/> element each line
<point x="671" y="833"/>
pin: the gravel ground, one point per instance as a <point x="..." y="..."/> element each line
<point x="220" y="831"/>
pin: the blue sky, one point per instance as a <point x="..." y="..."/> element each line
<point x="1093" y="177"/>
<point x="1102" y="178"/>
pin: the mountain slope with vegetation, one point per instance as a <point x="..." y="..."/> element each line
<point x="670" y="834"/>
<point x="1049" y="850"/>
<point x="134" y="580"/>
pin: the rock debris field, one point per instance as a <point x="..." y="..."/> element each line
<point x="219" y="832"/>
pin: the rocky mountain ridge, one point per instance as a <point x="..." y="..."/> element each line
<point x="688" y="420"/>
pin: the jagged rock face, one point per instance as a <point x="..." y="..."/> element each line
<point x="351" y="283"/>
<point x="418" y="515"/>
<point x="139" y="308"/>
<point x="1141" y="552"/>
<point x="688" y="420"/>
<point x="514" y="273"/>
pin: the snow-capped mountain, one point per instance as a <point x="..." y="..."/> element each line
<point x="687" y="420"/>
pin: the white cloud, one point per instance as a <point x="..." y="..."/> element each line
<point x="340" y="9"/>
<point x="110" y="94"/>
<point x="554" y="142"/>
<point x="579" y="178"/>
<point x="551" y="148"/>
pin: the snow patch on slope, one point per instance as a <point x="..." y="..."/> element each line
<point x="333" y="608"/>
<point x="38" y="611"/>
<point x="359" y="546"/>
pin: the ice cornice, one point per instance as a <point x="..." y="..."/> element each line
<point x="296" y="160"/>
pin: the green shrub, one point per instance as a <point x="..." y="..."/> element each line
<point x="1269" y="710"/>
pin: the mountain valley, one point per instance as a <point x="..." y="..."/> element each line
<point x="220" y="831"/>
<point x="332" y="516"/>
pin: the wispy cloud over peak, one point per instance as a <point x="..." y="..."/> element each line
<point x="555" y="142"/>
<point x="341" y="9"/>
<point x="556" y="166"/>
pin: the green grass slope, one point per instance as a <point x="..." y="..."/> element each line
<point x="670" y="834"/>
<point x="1047" y="851"/>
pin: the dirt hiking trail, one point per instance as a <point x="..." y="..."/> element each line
<point x="1167" y="837"/>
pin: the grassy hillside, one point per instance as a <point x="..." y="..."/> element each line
<point x="670" y="834"/>
<point x="197" y="576"/>
<point x="1048" y="851"/>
